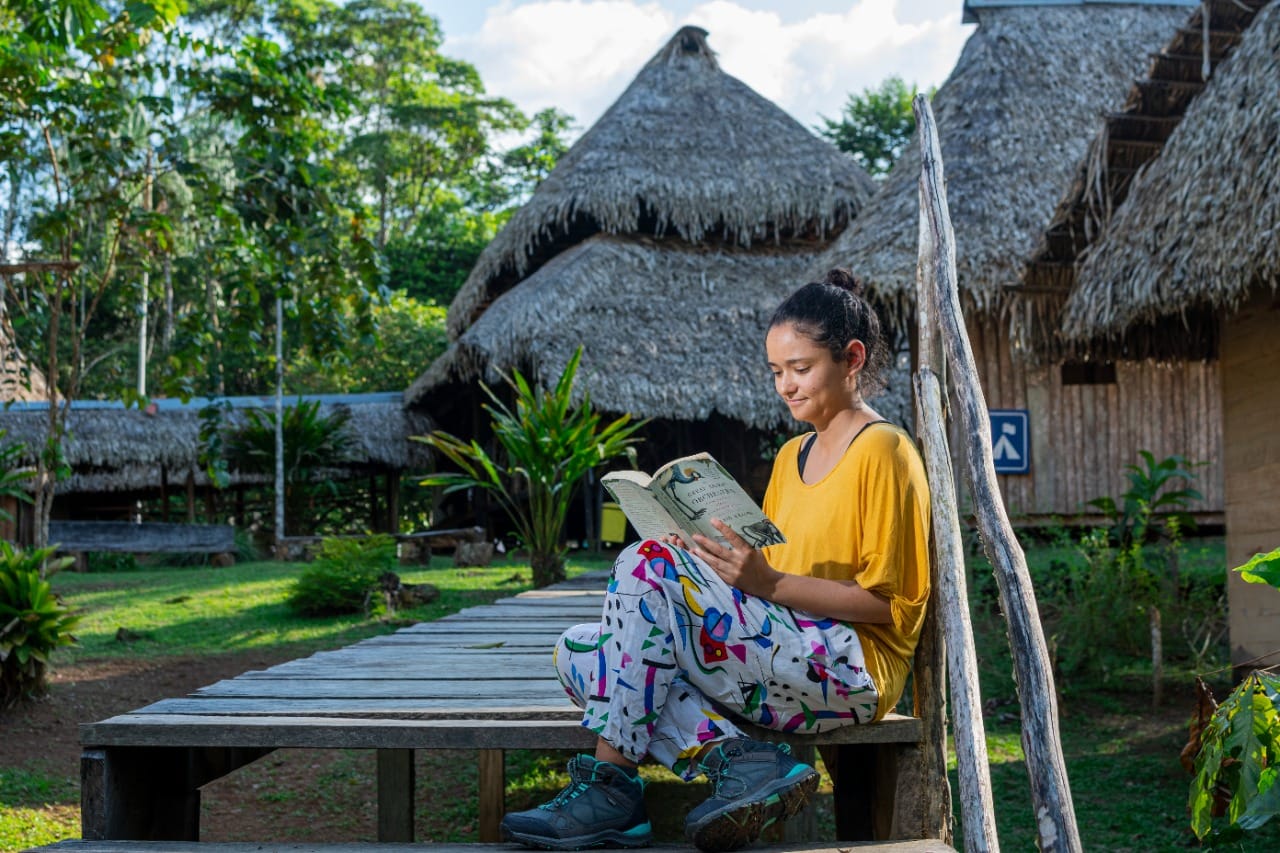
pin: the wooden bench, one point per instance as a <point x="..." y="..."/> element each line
<point x="148" y="537"/>
<point x="414" y="689"/>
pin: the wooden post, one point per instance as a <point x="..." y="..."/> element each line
<point x="950" y="593"/>
<point x="393" y="501"/>
<point x="1041" y="743"/>
<point x="493" y="787"/>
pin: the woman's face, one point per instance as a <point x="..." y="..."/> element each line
<point x="814" y="385"/>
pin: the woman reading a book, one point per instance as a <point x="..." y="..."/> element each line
<point x="804" y="636"/>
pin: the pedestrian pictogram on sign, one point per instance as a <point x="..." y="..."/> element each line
<point x="1011" y="441"/>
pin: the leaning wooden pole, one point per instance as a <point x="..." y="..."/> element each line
<point x="951" y="597"/>
<point x="1041" y="743"/>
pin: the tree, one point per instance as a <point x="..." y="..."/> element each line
<point x="875" y="126"/>
<point x="70" y="72"/>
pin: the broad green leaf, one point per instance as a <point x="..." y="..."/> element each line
<point x="1262" y="568"/>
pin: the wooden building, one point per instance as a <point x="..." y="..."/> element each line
<point x="1189" y="266"/>
<point x="1015" y="120"/>
<point x="661" y="242"/>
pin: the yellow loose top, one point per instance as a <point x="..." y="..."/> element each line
<point x="866" y="521"/>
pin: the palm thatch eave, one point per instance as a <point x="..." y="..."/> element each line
<point x="675" y="333"/>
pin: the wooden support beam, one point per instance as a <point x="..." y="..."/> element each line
<point x="395" y="795"/>
<point x="1041" y="741"/>
<point x="493" y="791"/>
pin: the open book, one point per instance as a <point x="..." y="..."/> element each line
<point x="683" y="496"/>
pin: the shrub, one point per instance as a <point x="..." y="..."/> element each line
<point x="1235" y="768"/>
<point x="33" y="621"/>
<point x="342" y="574"/>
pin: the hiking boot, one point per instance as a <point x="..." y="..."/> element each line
<point x="603" y="806"/>
<point x="754" y="785"/>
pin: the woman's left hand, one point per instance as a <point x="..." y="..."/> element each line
<point x="736" y="562"/>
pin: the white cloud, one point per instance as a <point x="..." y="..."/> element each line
<point x="580" y="54"/>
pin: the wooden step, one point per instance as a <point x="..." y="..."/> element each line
<point x="77" y="846"/>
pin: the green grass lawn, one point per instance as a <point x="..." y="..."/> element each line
<point x="1128" y="788"/>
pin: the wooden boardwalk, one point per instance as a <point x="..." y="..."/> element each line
<point x="480" y="679"/>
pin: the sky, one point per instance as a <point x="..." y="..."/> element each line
<point x="804" y="55"/>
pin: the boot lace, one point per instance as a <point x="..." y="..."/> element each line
<point x="582" y="779"/>
<point x="719" y="772"/>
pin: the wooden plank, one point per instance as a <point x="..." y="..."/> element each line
<point x="558" y="728"/>
<point x="83" y="846"/>
<point x="410" y="709"/>
<point x="544" y="689"/>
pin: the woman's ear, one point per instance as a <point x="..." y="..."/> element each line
<point x="855" y="355"/>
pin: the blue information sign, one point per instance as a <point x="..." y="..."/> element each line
<point x="1011" y="441"/>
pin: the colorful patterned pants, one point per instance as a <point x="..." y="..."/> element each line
<point x="678" y="654"/>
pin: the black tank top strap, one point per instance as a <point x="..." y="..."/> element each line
<point x="803" y="455"/>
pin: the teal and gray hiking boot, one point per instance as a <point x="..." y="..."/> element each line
<point x="754" y="785"/>
<point x="603" y="806"/>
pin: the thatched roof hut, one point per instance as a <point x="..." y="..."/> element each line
<point x="1014" y="118"/>
<point x="1194" y="246"/>
<point x="670" y="330"/>
<point x="1129" y="140"/>
<point x="111" y="448"/>
<point x="1198" y="231"/>
<point x="686" y="152"/>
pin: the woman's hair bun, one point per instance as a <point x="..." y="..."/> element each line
<point x="843" y="279"/>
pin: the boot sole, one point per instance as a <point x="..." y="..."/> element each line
<point x="605" y="838"/>
<point x="741" y="825"/>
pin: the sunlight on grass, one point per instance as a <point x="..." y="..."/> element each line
<point x="36" y="809"/>
<point x="167" y="612"/>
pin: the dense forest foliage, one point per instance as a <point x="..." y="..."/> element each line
<point x="170" y="169"/>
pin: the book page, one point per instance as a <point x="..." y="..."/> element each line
<point x="638" y="504"/>
<point x="696" y="489"/>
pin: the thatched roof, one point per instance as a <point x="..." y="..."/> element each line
<point x="682" y="338"/>
<point x="1129" y="140"/>
<point x="19" y="379"/>
<point x="111" y="448"/>
<point x="1199" y="228"/>
<point x="686" y="151"/>
<point x="1014" y="118"/>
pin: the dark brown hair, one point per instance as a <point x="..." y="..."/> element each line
<point x="833" y="312"/>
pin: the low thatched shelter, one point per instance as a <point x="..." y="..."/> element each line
<point x="661" y="242"/>
<point x="1015" y="119"/>
<point x="118" y="456"/>
<point x="1195" y="242"/>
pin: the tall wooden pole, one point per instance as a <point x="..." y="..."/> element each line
<point x="1041" y="743"/>
<point x="951" y="597"/>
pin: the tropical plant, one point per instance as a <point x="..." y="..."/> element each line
<point x="1237" y="772"/>
<point x="313" y="441"/>
<point x="550" y="443"/>
<point x="33" y="621"/>
<point x="339" y="579"/>
<point x="1151" y="493"/>
<point x="1130" y="582"/>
